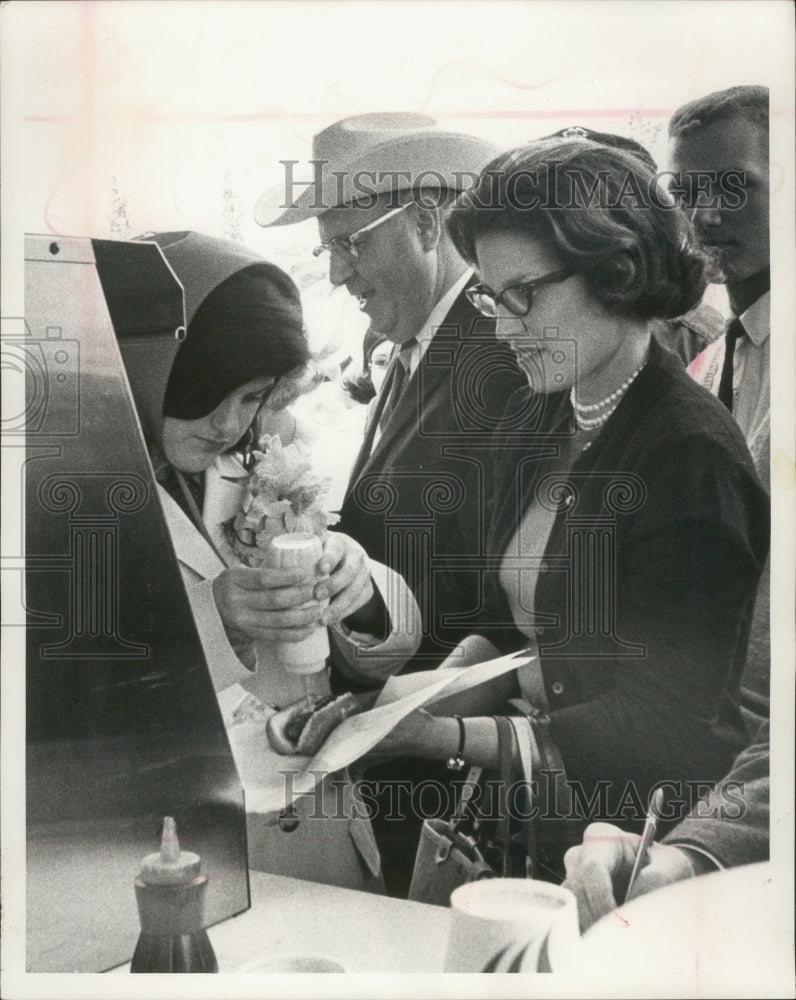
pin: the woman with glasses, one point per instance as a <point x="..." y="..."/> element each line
<point x="245" y="339"/>
<point x="630" y="527"/>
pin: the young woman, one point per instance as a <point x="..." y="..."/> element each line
<point x="630" y="527"/>
<point x="244" y="333"/>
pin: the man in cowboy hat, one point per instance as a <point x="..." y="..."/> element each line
<point x="379" y="190"/>
<point x="419" y="488"/>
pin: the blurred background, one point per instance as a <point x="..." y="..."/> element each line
<point x="126" y="117"/>
<point x="123" y="117"/>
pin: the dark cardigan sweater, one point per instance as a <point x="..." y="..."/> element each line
<point x="670" y="488"/>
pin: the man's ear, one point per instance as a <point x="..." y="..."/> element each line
<point x="429" y="226"/>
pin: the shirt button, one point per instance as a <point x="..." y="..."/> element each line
<point x="544" y="567"/>
<point x="557" y="687"/>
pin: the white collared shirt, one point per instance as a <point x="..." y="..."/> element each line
<point x="751" y="380"/>
<point x="435" y="318"/>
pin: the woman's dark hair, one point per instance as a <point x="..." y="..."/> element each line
<point x="249" y="326"/>
<point x="611" y="139"/>
<point x="361" y="388"/>
<point x="600" y="210"/>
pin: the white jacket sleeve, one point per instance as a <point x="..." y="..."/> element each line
<point x="199" y="565"/>
<point x="226" y="665"/>
<point x="363" y="657"/>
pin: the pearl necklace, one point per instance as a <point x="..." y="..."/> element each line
<point x="583" y="419"/>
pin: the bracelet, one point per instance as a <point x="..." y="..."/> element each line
<point x="456" y="763"/>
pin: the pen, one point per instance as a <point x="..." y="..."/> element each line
<point x="647" y="837"/>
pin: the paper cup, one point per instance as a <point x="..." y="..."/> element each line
<point x="274" y="964"/>
<point x="510" y="924"/>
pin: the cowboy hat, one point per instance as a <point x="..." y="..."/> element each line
<point x="358" y="157"/>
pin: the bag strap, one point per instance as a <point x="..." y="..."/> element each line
<point x="456" y="833"/>
<point x="506" y="749"/>
<point x="459" y="814"/>
<point x="552" y="786"/>
<point x="549" y="754"/>
<point x="523" y="731"/>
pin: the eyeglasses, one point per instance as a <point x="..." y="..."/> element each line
<point x="518" y="299"/>
<point x="346" y="246"/>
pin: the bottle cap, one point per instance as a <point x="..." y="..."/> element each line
<point x="170" y="866"/>
<point x="299" y="550"/>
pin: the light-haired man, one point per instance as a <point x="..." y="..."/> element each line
<point x="719" y="147"/>
<point x="380" y="190"/>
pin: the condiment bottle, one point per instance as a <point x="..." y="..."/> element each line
<point x="170" y="894"/>
<point x="301" y="550"/>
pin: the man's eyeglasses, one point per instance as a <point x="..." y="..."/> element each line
<point x="518" y="299"/>
<point x="347" y="246"/>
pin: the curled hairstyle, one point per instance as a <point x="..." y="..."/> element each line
<point x="749" y="102"/>
<point x="600" y="210"/>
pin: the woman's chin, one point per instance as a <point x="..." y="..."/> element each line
<point x="193" y="464"/>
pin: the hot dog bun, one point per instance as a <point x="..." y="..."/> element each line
<point x="284" y="727"/>
<point x="328" y="717"/>
<point x="301" y="728"/>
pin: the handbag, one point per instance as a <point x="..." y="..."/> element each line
<point x="473" y="844"/>
<point x="555" y="826"/>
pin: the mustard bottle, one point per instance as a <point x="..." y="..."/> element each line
<point x="170" y="895"/>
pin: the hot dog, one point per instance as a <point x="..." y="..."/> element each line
<point x="301" y="728"/>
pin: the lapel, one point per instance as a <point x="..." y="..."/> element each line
<point x="191" y="549"/>
<point x="434" y="381"/>
<point x="225" y="481"/>
<point x="376" y="410"/>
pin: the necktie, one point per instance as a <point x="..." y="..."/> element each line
<point x="734" y="331"/>
<point x="400" y="375"/>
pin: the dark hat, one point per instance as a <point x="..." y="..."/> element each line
<point x="247" y="327"/>
<point x="243" y="320"/>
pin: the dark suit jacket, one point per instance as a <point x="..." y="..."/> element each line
<point x="419" y="500"/>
